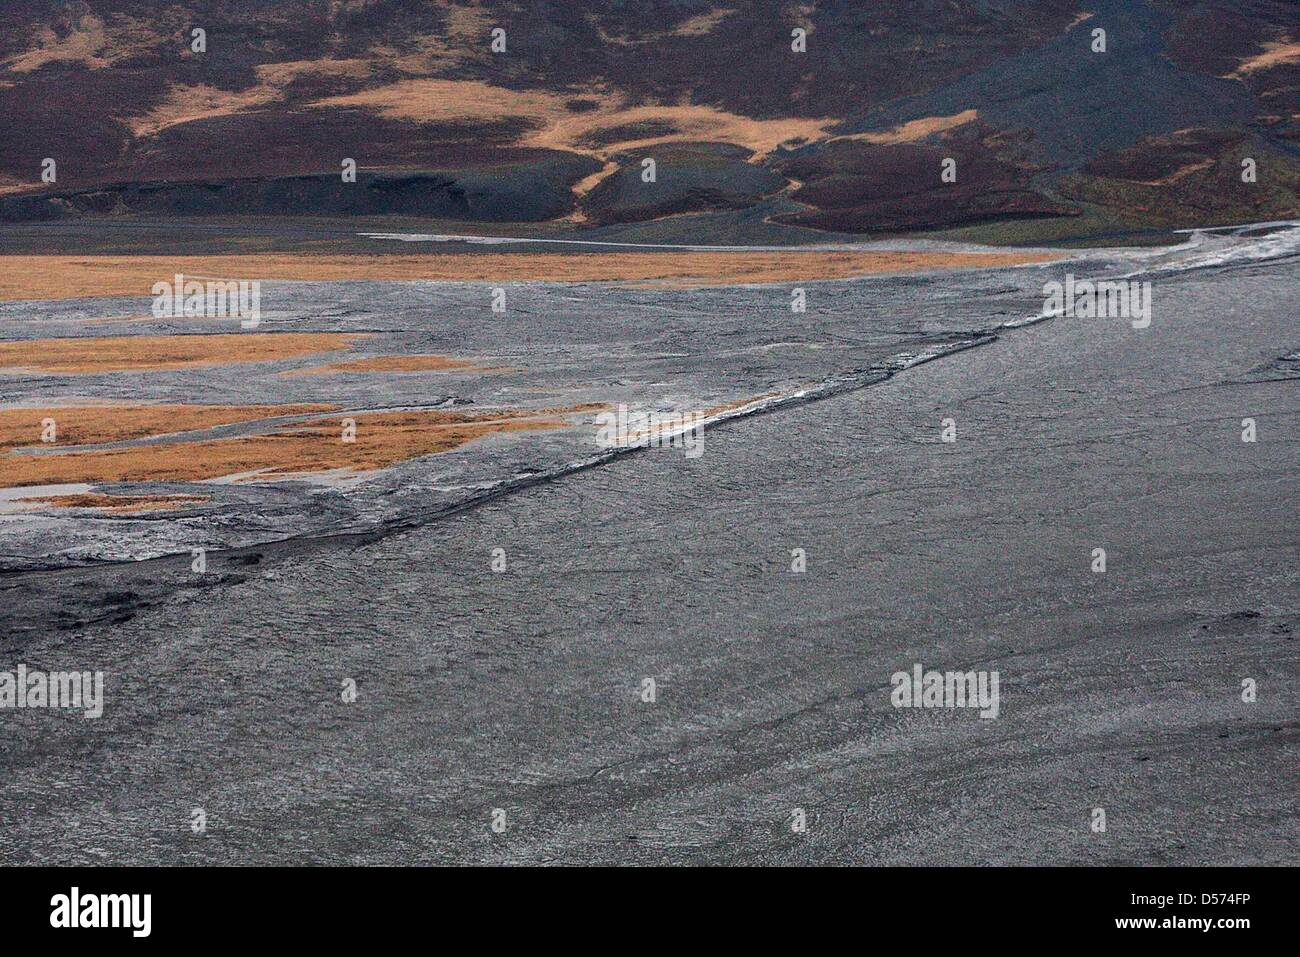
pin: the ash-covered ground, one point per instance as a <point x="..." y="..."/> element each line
<point x="518" y="697"/>
<point x="660" y="352"/>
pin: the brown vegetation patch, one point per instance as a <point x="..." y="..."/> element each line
<point x="96" y="424"/>
<point x="700" y="25"/>
<point x="463" y="40"/>
<point x="1179" y="173"/>
<point x="718" y="269"/>
<point x="382" y="439"/>
<point x="286" y="72"/>
<point x="66" y="277"/>
<point x="185" y="103"/>
<point x="914" y="130"/>
<point x="585" y="185"/>
<point x="859" y="186"/>
<point x="123" y="353"/>
<point x="556" y="126"/>
<point x="1162" y="160"/>
<point x="1274" y="54"/>
<point x="88" y="42"/>
<point x="1189" y="178"/>
<point x="117" y="503"/>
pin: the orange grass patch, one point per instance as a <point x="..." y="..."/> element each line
<point x="186" y="103"/>
<point x="121" y="353"/>
<point x="382" y="439"/>
<point x="10" y="185"/>
<point x="585" y="185"/>
<point x="1179" y="173"/>
<point x="117" y="503"/>
<point x="91" y="43"/>
<point x="68" y="277"/>
<point x="91" y="425"/>
<point x="699" y="25"/>
<point x="555" y="126"/>
<point x="914" y="130"/>
<point x="1275" y="54"/>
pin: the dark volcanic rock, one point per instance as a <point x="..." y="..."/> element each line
<point x="514" y="192"/>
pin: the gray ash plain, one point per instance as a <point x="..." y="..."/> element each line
<point x="520" y="690"/>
